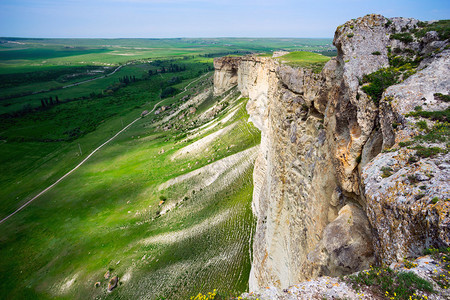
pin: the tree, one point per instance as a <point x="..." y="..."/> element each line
<point x="168" y="91"/>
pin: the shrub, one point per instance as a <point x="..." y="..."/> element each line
<point x="439" y="115"/>
<point x="442" y="27"/>
<point x="412" y="179"/>
<point x="405" y="144"/>
<point x="379" y="81"/>
<point x="397" y="50"/>
<point x="376" y="53"/>
<point x="168" y="91"/>
<point x="404" y="62"/>
<point x="431" y="251"/>
<point x="174" y="80"/>
<point x="427" y="151"/>
<point x="408" y="50"/>
<point x="409" y="264"/>
<point x="350" y="35"/>
<point x="442" y="97"/>
<point x="422" y="125"/>
<point x="439" y="132"/>
<point x="413" y="159"/>
<point x="387" y="172"/>
<point x="408" y="279"/>
<point x="434" y="251"/>
<point x="404" y="37"/>
<point x="422" y="24"/>
<point x="389" y="283"/>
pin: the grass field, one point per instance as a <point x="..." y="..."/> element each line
<point x="100" y="86"/>
<point x="23" y="55"/>
<point x="305" y="59"/>
<point x="32" y="69"/>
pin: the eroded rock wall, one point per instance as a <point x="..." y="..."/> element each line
<point x="322" y="208"/>
<point x="225" y="75"/>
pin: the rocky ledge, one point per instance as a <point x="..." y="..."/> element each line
<point x="426" y="279"/>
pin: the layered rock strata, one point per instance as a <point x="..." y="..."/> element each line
<point x="324" y="203"/>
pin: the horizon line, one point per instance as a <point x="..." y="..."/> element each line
<point x="158" y="38"/>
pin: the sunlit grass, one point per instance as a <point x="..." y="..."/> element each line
<point x="97" y="218"/>
<point x="305" y="59"/>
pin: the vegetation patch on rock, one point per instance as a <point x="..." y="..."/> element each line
<point x="442" y="27"/>
<point x="385" y="282"/>
<point x="377" y="82"/>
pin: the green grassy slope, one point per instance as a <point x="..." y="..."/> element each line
<point x="39" y="147"/>
<point x="106" y="214"/>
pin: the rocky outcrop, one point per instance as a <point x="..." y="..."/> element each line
<point x="323" y="206"/>
<point x="399" y="185"/>
<point x="225" y="76"/>
<point x="425" y="267"/>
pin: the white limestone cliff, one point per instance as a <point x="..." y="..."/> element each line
<point x="322" y="204"/>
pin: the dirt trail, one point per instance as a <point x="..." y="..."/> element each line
<point x="87" y="157"/>
<point x="81" y="82"/>
<point x="89" y="80"/>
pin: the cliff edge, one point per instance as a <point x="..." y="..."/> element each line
<point x="353" y="168"/>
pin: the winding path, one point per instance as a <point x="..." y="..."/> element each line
<point x="89" y="156"/>
<point x="92" y="79"/>
<point x="78" y="83"/>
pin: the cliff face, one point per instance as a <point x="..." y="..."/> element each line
<point x="324" y="201"/>
<point x="225" y="75"/>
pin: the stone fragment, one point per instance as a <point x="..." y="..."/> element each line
<point x="113" y="283"/>
<point x="421" y="177"/>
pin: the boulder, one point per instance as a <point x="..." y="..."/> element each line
<point x="346" y="246"/>
<point x="113" y="283"/>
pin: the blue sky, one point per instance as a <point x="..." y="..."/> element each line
<point x="198" y="18"/>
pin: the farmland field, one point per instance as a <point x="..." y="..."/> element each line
<point x="165" y="206"/>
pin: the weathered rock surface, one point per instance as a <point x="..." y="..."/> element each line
<point x="346" y="244"/>
<point x="337" y="288"/>
<point x="321" y="157"/>
<point x="400" y="207"/>
<point x="225" y="76"/>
